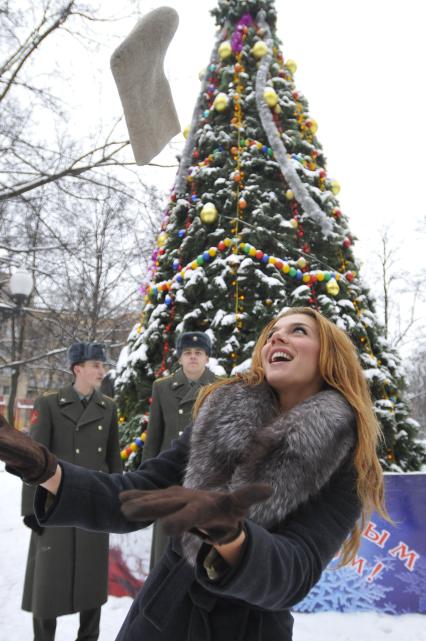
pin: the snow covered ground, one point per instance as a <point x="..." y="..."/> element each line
<point x="16" y="625"/>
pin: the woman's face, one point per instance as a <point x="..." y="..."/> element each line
<point x="290" y="357"/>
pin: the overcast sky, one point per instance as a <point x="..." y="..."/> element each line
<point x="361" y="67"/>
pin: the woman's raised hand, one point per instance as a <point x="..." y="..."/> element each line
<point x="215" y="516"/>
<point x="29" y="460"/>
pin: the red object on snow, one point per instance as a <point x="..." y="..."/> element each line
<point x="121" y="581"/>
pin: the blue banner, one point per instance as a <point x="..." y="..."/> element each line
<point x="389" y="571"/>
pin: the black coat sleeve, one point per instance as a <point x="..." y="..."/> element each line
<point x="89" y="499"/>
<point x="279" y="568"/>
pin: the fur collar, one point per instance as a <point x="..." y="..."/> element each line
<point x="239" y="436"/>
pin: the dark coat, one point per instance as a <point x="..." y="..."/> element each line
<point x="173" y="398"/>
<point x="67" y="568"/>
<point x="178" y="602"/>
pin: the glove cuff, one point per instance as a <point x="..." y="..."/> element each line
<point x="219" y="536"/>
<point x="49" y="466"/>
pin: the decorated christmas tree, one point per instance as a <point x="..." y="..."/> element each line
<point x="253" y="225"/>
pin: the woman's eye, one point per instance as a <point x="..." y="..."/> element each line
<point x="300" y="329"/>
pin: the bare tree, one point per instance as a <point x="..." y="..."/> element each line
<point x="416" y="379"/>
<point x="400" y="297"/>
<point x="72" y="207"/>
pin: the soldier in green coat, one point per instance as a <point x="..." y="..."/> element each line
<point x="173" y="398"/>
<point x="67" y="568"/>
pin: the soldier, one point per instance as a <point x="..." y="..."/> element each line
<point x="67" y="568"/>
<point x="172" y="400"/>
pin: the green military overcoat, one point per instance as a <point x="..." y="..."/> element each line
<point x="173" y="398"/>
<point x="67" y="568"/>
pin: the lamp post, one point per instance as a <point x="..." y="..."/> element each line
<point x="20" y="287"/>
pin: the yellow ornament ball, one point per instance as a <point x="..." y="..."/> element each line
<point x="289" y="194"/>
<point x="260" y="49"/>
<point x="291" y="66"/>
<point x="224" y="50"/>
<point x="335" y="187"/>
<point x="209" y="214"/>
<point x="332" y="287"/>
<point x="185" y="132"/>
<point x="270" y="96"/>
<point x="221" y="102"/>
<point x="301" y="263"/>
<point x="162" y="239"/>
<point x="313" y="126"/>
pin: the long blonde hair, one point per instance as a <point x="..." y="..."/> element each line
<point x="340" y="369"/>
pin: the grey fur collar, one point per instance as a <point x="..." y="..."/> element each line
<point x="240" y="437"/>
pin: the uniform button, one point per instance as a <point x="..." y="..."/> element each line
<point x="77" y="451"/>
<point x="99" y="449"/>
<point x="76" y="429"/>
<point x="180" y="411"/>
<point x="100" y="427"/>
<point x="180" y="433"/>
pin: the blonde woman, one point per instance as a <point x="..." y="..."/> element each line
<point x="259" y="495"/>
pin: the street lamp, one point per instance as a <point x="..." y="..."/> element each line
<point x="20" y="288"/>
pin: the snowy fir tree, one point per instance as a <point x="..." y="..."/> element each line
<point x="253" y="225"/>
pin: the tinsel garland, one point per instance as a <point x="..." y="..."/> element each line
<point x="301" y="194"/>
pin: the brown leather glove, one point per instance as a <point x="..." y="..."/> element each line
<point x="214" y="516"/>
<point x="29" y="460"/>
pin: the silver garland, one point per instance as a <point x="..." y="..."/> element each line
<point x="296" y="185"/>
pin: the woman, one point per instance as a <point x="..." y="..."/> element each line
<point x="260" y="494"/>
